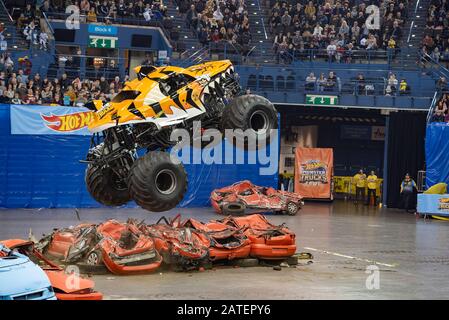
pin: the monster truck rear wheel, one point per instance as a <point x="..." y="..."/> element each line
<point x="105" y="187"/>
<point x="234" y="208"/>
<point x="253" y="113"/>
<point x="156" y="183"/>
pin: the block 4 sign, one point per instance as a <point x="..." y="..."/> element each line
<point x="321" y="100"/>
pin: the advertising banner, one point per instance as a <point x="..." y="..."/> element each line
<point x="43" y="120"/>
<point x="313" y="172"/>
<point x="437" y="204"/>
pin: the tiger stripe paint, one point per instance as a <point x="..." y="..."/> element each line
<point x="153" y="106"/>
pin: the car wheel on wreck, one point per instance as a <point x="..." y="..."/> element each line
<point x="105" y="187"/>
<point x="94" y="258"/>
<point x="156" y="183"/>
<point x="93" y="263"/>
<point x="292" y="208"/>
<point x="234" y="208"/>
<point x="251" y="113"/>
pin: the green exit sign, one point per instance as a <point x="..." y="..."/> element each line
<point x="102" y="42"/>
<point x="321" y="100"/>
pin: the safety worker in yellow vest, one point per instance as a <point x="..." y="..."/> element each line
<point x="372" y="186"/>
<point x="359" y="181"/>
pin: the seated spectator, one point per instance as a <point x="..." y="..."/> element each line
<point x="331" y="81"/>
<point x="321" y="82"/>
<point x="92" y="15"/>
<point x="440" y="111"/>
<point x="404" y="87"/>
<point x="392" y="83"/>
<point x="310" y="81"/>
<point x="360" y="84"/>
<point x="442" y="84"/>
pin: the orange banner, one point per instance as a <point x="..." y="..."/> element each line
<point x="313" y="172"/>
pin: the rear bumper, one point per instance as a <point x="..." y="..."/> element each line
<point x="268" y="252"/>
<point x="79" y="296"/>
<point x="229" y="254"/>
<point x="122" y="269"/>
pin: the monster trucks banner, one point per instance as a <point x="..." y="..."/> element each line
<point x="44" y="120"/>
<point x="437" y="204"/>
<point x="313" y="172"/>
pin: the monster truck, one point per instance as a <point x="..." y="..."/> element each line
<point x="128" y="158"/>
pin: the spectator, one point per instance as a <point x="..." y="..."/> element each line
<point x="321" y="82"/>
<point x="92" y="15"/>
<point x="360" y="84"/>
<point x="403" y="87"/>
<point x="310" y="81"/>
<point x="393" y="83"/>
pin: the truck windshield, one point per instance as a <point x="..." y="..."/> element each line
<point x="125" y="95"/>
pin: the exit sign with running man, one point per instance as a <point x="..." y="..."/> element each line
<point x="102" y="42"/>
<point x="321" y="100"/>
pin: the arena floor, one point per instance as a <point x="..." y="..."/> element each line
<point x="411" y="254"/>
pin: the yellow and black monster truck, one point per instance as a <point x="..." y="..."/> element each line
<point x="141" y="118"/>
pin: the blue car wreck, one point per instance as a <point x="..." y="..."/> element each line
<point x="21" y="279"/>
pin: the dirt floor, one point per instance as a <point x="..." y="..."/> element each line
<point x="408" y="256"/>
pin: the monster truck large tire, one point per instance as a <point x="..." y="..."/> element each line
<point x="103" y="186"/>
<point x="250" y="112"/>
<point x="156" y="183"/>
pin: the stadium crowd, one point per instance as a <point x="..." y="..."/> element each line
<point x="214" y="21"/>
<point x="436" y="33"/>
<point x="107" y="11"/>
<point x="19" y="86"/>
<point x="337" y="28"/>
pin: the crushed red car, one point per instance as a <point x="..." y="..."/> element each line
<point x="245" y="197"/>
<point x="179" y="246"/>
<point x="65" y="286"/>
<point x="268" y="241"/>
<point x="122" y="247"/>
<point x="226" y="242"/>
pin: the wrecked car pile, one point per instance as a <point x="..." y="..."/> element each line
<point x="135" y="247"/>
<point x="244" y="197"/>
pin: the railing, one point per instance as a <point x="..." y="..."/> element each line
<point x="83" y="66"/>
<point x="2" y="4"/>
<point x="413" y="22"/>
<point x="432" y="107"/>
<point x="294" y="80"/>
<point x="436" y="66"/>
<point x="373" y="59"/>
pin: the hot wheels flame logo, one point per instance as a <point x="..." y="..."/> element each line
<point x="313" y="165"/>
<point x="68" y="122"/>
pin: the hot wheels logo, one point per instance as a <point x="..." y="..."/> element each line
<point x="68" y="122"/>
<point x="314" y="165"/>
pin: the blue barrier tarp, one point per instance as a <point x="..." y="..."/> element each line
<point x="43" y="171"/>
<point x="437" y="153"/>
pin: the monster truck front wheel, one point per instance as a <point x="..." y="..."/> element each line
<point x="156" y="183"/>
<point x="253" y="114"/>
<point x="105" y="186"/>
